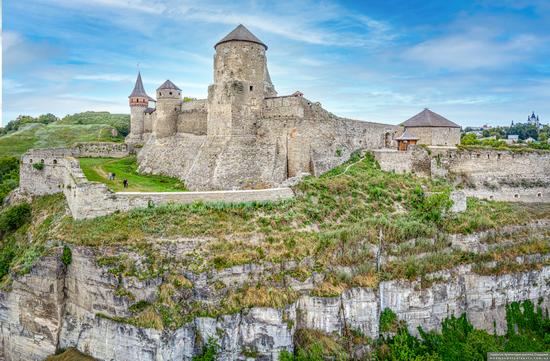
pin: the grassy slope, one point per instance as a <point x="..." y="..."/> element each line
<point x="97" y="170"/>
<point x="51" y="136"/>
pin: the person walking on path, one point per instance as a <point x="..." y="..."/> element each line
<point x="125" y="183"/>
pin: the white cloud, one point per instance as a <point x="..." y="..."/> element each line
<point x="472" y="50"/>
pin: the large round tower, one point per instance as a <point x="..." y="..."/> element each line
<point x="138" y="100"/>
<point x="241" y="82"/>
<point x="168" y="108"/>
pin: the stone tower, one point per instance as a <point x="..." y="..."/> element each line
<point x="139" y="100"/>
<point x="241" y="83"/>
<point x="168" y="108"/>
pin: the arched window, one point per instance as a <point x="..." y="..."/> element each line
<point x="30" y="160"/>
<point x="170" y="93"/>
<point x="42" y="161"/>
<point x="55" y="161"/>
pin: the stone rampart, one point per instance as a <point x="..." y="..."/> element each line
<point x="193" y="117"/>
<point x="59" y="171"/>
<point x="100" y="149"/>
<point x="500" y="175"/>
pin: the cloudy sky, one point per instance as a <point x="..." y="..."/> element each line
<point x="474" y="62"/>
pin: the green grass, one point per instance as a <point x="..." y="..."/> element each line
<point x="97" y="170"/>
<point x="53" y="135"/>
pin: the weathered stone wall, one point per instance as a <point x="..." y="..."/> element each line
<point x="442" y="136"/>
<point x="100" y="149"/>
<point x="51" y="178"/>
<point x="193" y="117"/>
<point x="47" y="180"/>
<point x="62" y="173"/>
<point x="494" y="168"/>
<point x="499" y="175"/>
<point x="56" y="307"/>
<point x="298" y="136"/>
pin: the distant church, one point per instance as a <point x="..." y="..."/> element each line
<point x="533" y="120"/>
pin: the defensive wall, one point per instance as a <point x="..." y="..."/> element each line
<point x="60" y="171"/>
<point x="502" y="175"/>
<point x="291" y="136"/>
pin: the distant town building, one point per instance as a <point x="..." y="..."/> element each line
<point x="529" y="140"/>
<point x="432" y="129"/>
<point x="512" y="138"/>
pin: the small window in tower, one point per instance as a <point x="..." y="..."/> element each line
<point x="42" y="161"/>
<point x="160" y="94"/>
<point x="251" y="87"/>
<point x="170" y="93"/>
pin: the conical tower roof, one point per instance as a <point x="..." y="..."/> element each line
<point x="168" y="85"/>
<point x="427" y="118"/>
<point x="139" y="90"/>
<point x="241" y="33"/>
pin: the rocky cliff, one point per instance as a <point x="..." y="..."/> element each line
<point x="55" y="307"/>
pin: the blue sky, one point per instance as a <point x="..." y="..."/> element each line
<point x="474" y="62"/>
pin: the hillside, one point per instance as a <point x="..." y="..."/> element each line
<point x="354" y="228"/>
<point x="80" y="127"/>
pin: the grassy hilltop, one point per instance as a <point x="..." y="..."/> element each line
<point x="48" y="131"/>
<point x="81" y="127"/>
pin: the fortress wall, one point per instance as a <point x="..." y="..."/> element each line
<point x="391" y="160"/>
<point x="62" y="173"/>
<point x="494" y="168"/>
<point x="100" y="149"/>
<point x="193" y="117"/>
<point x="50" y="178"/>
<point x="148" y="122"/>
<point x="286" y="106"/>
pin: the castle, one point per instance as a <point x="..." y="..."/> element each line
<point x="244" y="135"/>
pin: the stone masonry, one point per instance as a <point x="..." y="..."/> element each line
<point x="244" y="135"/>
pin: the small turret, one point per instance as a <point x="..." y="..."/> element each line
<point x="168" y="109"/>
<point x="139" y="101"/>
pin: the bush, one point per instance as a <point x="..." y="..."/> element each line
<point x="38" y="166"/>
<point x="388" y="321"/>
<point x="208" y="353"/>
<point x="67" y="256"/>
<point x="14" y="217"/>
<point x="9" y="175"/>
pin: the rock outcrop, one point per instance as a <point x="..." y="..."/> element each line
<point x="56" y="307"/>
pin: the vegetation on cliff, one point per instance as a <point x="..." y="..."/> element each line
<point x="352" y="227"/>
<point x="98" y="169"/>
<point x="527" y="331"/>
<point x="9" y="176"/>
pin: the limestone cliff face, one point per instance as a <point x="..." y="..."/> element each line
<point x="57" y="307"/>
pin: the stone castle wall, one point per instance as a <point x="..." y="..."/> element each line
<point x="500" y="175"/>
<point x="438" y="136"/>
<point x="292" y="136"/>
<point x="62" y="173"/>
<point x="193" y="117"/>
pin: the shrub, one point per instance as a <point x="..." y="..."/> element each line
<point x="67" y="256"/>
<point x="38" y="166"/>
<point x="9" y="175"/>
<point x="388" y="321"/>
<point x="209" y="351"/>
<point x="14" y="217"/>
